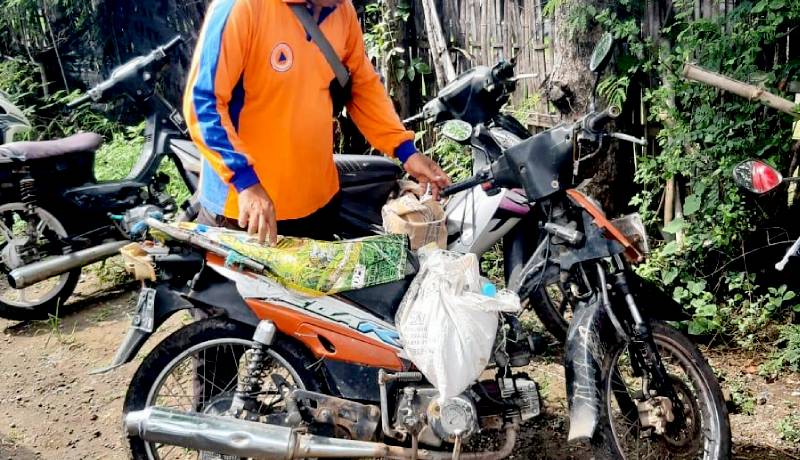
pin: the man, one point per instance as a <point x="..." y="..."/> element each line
<point x="259" y="108"/>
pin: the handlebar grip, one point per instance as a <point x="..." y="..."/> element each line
<point x="79" y="101"/>
<point x="458" y="187"/>
<point x="477" y="179"/>
<point x="176" y="40"/>
<point x="597" y="121"/>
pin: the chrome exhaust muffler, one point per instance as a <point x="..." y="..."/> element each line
<point x="31" y="274"/>
<point x="242" y="438"/>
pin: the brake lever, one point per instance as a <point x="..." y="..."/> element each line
<point x="629" y="138"/>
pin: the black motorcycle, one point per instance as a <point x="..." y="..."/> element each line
<point x="55" y="216"/>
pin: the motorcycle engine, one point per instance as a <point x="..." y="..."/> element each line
<point x="419" y="411"/>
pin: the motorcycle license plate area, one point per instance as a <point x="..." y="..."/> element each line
<point x="144" y="318"/>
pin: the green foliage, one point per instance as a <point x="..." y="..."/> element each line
<point x="704" y="134"/>
<point x="452" y="157"/>
<point x="492" y="264"/>
<point x="787" y="355"/>
<point x="523" y="110"/>
<point x="742" y="399"/>
<point x="384" y="43"/>
<point x="789" y="428"/>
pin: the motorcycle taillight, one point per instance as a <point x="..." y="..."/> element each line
<point x="765" y="177"/>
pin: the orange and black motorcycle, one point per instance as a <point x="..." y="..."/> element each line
<point x="272" y="373"/>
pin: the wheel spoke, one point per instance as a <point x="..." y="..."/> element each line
<point x="211" y="364"/>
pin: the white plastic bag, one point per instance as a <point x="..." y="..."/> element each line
<point x="446" y="326"/>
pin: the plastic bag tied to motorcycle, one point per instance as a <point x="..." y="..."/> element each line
<point x="317" y="267"/>
<point x="447" y="326"/>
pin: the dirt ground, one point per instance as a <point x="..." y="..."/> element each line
<point x="51" y="408"/>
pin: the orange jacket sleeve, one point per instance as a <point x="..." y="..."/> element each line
<point x="212" y="99"/>
<point x="370" y="107"/>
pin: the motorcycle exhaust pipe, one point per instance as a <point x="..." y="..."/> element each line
<point x="31" y="274"/>
<point x="242" y="438"/>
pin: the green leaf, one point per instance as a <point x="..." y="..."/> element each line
<point x="675" y="226"/>
<point x="707" y="310"/>
<point x="423" y="68"/>
<point x="692" y="205"/>
<point x="759" y="7"/>
<point x="696" y="287"/>
<point x="401" y="72"/>
<point x="411" y="72"/>
<point x="669" y="276"/>
<point x="670" y="248"/>
<point x="777" y="4"/>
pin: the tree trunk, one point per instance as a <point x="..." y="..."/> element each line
<point x="569" y="89"/>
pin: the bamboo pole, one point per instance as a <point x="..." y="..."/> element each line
<point x="745" y="90"/>
<point x="438" y="44"/>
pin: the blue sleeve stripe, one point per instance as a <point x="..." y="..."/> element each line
<point x="205" y="99"/>
<point x="404" y="151"/>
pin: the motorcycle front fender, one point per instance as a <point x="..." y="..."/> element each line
<point x="590" y="338"/>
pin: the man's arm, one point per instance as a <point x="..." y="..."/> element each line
<point x="212" y="104"/>
<point x="216" y="71"/>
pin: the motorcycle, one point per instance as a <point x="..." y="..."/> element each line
<point x="12" y="120"/>
<point x="272" y="373"/>
<point x="55" y="217"/>
<point x="758" y="177"/>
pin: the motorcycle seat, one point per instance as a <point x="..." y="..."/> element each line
<point x="359" y="169"/>
<point x="37" y="150"/>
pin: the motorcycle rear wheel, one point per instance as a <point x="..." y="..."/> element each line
<point x="217" y="340"/>
<point x="45" y="298"/>
<point x="702" y="431"/>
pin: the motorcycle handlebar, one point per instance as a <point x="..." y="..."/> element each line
<point x="79" y="101"/>
<point x="597" y="120"/>
<point x="125" y="70"/>
<point x="467" y="184"/>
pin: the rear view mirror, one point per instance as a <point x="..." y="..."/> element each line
<point x="756" y="176"/>
<point x="602" y="53"/>
<point x="457" y="130"/>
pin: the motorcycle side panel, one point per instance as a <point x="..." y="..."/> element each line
<point x="476" y="221"/>
<point x="330" y="328"/>
<point x="329" y="340"/>
<point x="590" y="337"/>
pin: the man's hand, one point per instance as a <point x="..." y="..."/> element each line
<point x="426" y="172"/>
<point x="257" y="214"/>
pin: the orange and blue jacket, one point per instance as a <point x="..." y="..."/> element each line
<point x="259" y="108"/>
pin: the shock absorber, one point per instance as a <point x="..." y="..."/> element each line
<point x="250" y="383"/>
<point x="27" y="190"/>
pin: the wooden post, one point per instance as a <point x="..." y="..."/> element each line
<point x="745" y="90"/>
<point x="443" y="65"/>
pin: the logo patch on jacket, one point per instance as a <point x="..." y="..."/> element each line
<point x="281" y="57"/>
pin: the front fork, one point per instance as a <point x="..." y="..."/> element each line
<point x="645" y="358"/>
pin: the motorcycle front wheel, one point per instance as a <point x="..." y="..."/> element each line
<point x="45" y="298"/>
<point x="197" y="368"/>
<point x="700" y="429"/>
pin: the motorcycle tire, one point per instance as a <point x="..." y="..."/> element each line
<point x="53" y="305"/>
<point x="548" y="312"/>
<point x="172" y="349"/>
<point x="700" y="394"/>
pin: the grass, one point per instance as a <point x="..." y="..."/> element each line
<point x="116" y="158"/>
<point x="742" y="399"/>
<point x="786" y="356"/>
<point x="789" y="428"/>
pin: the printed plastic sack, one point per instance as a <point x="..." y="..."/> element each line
<point x="446" y="326"/>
